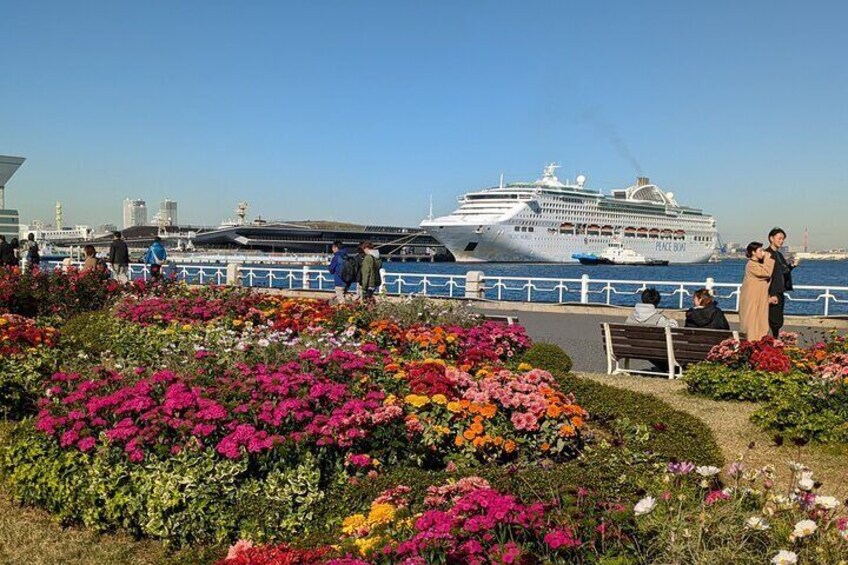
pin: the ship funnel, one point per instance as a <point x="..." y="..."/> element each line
<point x="643" y="181"/>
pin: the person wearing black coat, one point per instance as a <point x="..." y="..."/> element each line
<point x="7" y="253"/>
<point x="706" y="313"/>
<point x="781" y="280"/>
<point x="119" y="257"/>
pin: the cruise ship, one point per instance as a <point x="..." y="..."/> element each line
<point x="549" y="221"/>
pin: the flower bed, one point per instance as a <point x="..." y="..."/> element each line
<point x="42" y="293"/>
<point x="27" y="358"/>
<point x="804" y="390"/>
<point x="694" y="517"/>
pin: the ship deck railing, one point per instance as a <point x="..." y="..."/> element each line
<point x="817" y="300"/>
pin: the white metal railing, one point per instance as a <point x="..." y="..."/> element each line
<point x="810" y="299"/>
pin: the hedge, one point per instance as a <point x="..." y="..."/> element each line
<point x="674" y="435"/>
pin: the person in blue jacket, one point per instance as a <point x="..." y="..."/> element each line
<point x="155" y="257"/>
<point x="336" y="266"/>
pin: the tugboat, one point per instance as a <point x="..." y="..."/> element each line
<point x="616" y="254"/>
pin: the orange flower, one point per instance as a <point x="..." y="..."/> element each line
<point x="498" y="441"/>
<point x="566" y="431"/>
<point x="479" y="441"/>
<point x="577" y="421"/>
<point x="546" y="447"/>
<point x="509" y="446"/>
<point x="458" y="441"/>
<point x="553" y="411"/>
<point x="489" y="410"/>
<point x="469" y="434"/>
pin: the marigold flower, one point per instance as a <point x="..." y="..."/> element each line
<point x="381" y="514"/>
<point x="454" y="407"/>
<point x="439" y="399"/>
<point x="509" y="446"/>
<point x="353" y="524"/>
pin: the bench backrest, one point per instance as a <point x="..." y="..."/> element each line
<point x="636" y="342"/>
<point x="694" y="344"/>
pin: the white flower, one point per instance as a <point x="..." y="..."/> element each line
<point x="645" y="506"/>
<point x="827" y="502"/>
<point x="804" y="528"/>
<point x="784" y="557"/>
<point x="806" y="483"/>
<point x="796" y="467"/>
<point x="263" y="342"/>
<point x="708" y="471"/>
<point x="757" y="523"/>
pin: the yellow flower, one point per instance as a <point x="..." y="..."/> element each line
<point x="454" y="407"/>
<point x="389" y="400"/>
<point x="482" y="373"/>
<point x="525" y="367"/>
<point x="353" y="524"/>
<point x="416" y="400"/>
<point x="237" y="323"/>
<point x="443" y="430"/>
<point x="3" y="321"/>
<point x="187" y="327"/>
<point x="439" y="399"/>
<point x="366" y="545"/>
<point x="381" y="514"/>
<point x="400" y="375"/>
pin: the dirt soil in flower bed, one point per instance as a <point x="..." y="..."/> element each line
<point x="730" y="422"/>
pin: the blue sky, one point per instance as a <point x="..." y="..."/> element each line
<point x="360" y="111"/>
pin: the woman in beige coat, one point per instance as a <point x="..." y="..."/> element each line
<point x="753" y="297"/>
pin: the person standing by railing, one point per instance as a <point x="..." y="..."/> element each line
<point x="336" y="268"/>
<point x="369" y="278"/>
<point x="781" y="280"/>
<point x="119" y="258"/>
<point x="754" y="308"/>
<point x="155" y="257"/>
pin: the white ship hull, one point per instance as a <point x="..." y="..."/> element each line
<point x="549" y="222"/>
<point x="497" y="245"/>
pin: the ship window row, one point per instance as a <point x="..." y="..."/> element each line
<point x="524" y="228"/>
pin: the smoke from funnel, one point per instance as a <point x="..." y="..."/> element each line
<point x="609" y="131"/>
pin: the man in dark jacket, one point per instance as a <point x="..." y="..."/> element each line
<point x="336" y="266"/>
<point x="7" y="254"/>
<point x="705" y="313"/>
<point x="781" y="280"/>
<point x="119" y="258"/>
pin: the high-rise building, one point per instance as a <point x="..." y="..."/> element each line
<point x="168" y="213"/>
<point x="135" y="213"/>
<point x="9" y="219"/>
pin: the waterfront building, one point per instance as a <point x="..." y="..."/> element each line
<point x="168" y="213"/>
<point x="9" y="218"/>
<point x="551" y="221"/>
<point x="135" y="213"/>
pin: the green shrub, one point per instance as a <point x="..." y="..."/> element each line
<point x="548" y="356"/>
<point x="188" y="498"/>
<point x="805" y="411"/>
<point x="720" y="382"/>
<point x="24" y="379"/>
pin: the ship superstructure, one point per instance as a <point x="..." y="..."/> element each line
<point x="550" y="221"/>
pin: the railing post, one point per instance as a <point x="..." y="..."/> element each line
<point x="710" y="284"/>
<point x="306" y="277"/>
<point x="584" y="289"/>
<point x="233" y="274"/>
<point x="826" y="301"/>
<point x="474" y="287"/>
<point x="382" y="290"/>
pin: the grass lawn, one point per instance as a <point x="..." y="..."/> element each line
<point x="734" y="432"/>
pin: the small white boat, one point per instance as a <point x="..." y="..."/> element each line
<point x="617" y="254"/>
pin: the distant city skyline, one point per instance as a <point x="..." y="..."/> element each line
<point x="360" y="113"/>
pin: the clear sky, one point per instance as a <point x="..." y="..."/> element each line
<point x="360" y="111"/>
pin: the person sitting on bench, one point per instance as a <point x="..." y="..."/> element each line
<point x="646" y="314"/>
<point x="705" y="313"/>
